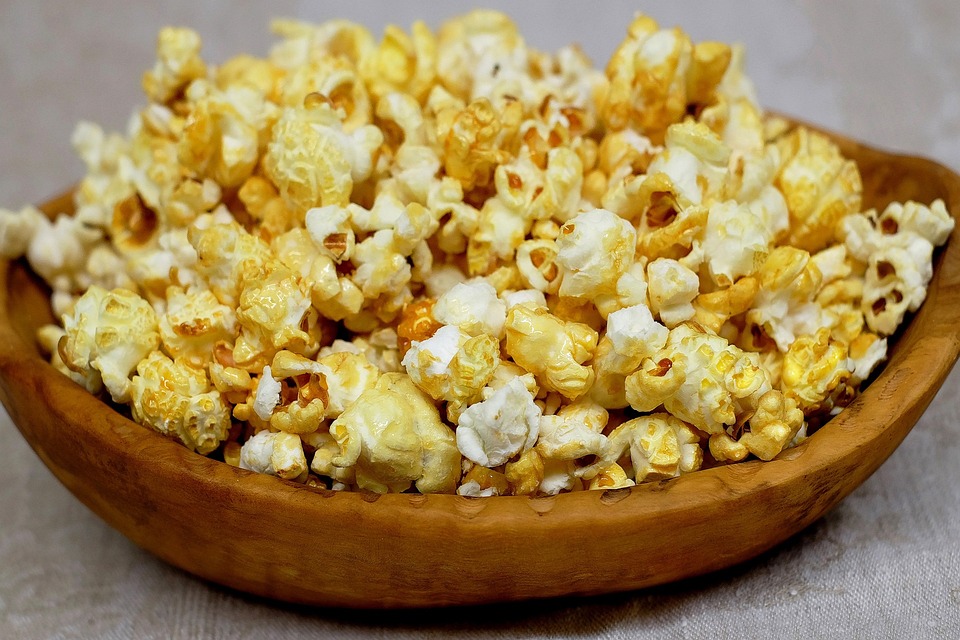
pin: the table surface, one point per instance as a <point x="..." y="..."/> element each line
<point x="885" y="563"/>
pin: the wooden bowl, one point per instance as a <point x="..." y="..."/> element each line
<point x="286" y="541"/>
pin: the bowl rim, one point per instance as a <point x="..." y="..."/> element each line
<point x="839" y="443"/>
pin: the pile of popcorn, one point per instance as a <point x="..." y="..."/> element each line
<point x="451" y="263"/>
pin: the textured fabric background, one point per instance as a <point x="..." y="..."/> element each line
<point x="884" y="564"/>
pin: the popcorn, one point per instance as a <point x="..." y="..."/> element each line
<point x="107" y="334"/>
<point x="819" y="185"/>
<point x="783" y="308"/>
<point x="672" y="288"/>
<point x="551" y="349"/>
<point x="537" y="263"/>
<point x="574" y="432"/>
<point x="526" y="474"/>
<point x="275" y="454"/>
<point x="776" y="422"/>
<point x="178" y="63"/>
<point x="17" y="230"/>
<point x="449" y="262"/>
<point x="451" y="365"/>
<point x="898" y="248"/>
<point x="176" y="400"/>
<point x="493" y="431"/>
<point x="813" y="368"/>
<point x="402" y="63"/>
<point x="313" y="161"/>
<point x="593" y="250"/>
<point x="699" y="378"/>
<point x="474" y="307"/>
<point x="393" y="437"/>
<point x="194" y="322"/>
<point x="660" y="446"/>
<point x="736" y="242"/>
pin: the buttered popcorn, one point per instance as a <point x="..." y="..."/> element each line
<point x="446" y="262"/>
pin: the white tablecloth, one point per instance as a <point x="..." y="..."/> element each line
<point x="884" y="564"/>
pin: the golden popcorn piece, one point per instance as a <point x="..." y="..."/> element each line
<point x="224" y="253"/>
<point x="487" y="480"/>
<point x="274" y="314"/>
<point x="660" y="446"/>
<point x="402" y="63"/>
<point x="700" y="378"/>
<point x="611" y="477"/>
<point x="194" y="322"/>
<point x="134" y="226"/>
<point x="773" y="426"/>
<point x="224" y="133"/>
<point x="784" y="307"/>
<point x="393" y="436"/>
<point x="553" y="350"/>
<point x="106" y="336"/>
<point x="526" y="474"/>
<point x="648" y="81"/>
<point x="813" y="368"/>
<point x="821" y="187"/>
<point x="313" y="161"/>
<point x="178" y="63"/>
<point x="304" y="42"/>
<point x="177" y="400"/>
<point x="472" y="142"/>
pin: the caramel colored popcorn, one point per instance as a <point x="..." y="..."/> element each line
<point x="447" y="262"/>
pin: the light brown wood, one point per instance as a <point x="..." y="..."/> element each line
<point x="281" y="540"/>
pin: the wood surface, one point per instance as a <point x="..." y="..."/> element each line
<point x="282" y="540"/>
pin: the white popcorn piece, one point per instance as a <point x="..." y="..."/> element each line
<point x="558" y="476"/>
<point x="672" y="288"/>
<point x="266" y="397"/>
<point x="474" y="307"/>
<point x="60" y="248"/>
<point x="275" y="454"/>
<point x="594" y="249"/>
<point x="574" y="432"/>
<point x="634" y="333"/>
<point x="491" y="432"/>
<point x="472" y="489"/>
<point x="736" y="242"/>
<point x="531" y="297"/>
<point x="17" y="230"/>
